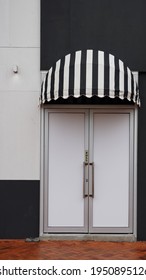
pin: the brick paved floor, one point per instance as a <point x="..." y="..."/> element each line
<point x="71" y="250"/>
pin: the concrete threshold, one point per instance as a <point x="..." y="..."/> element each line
<point x="93" y="237"/>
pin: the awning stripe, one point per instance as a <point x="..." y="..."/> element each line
<point x="71" y="74"/>
<point x="121" y="79"/>
<point x="129" y="84"/>
<point x="89" y="73"/>
<point x="49" y="82"/>
<point x="77" y="73"/>
<point x="57" y="74"/>
<point x="83" y="74"/>
<point x="89" y="63"/>
<point x="95" y="74"/>
<point x="135" y="95"/>
<point x="125" y="82"/>
<point x="101" y="74"/>
<point x="66" y="77"/>
<point x="117" y="76"/>
<point x="106" y="74"/>
<point x="112" y="76"/>
<point x="45" y="86"/>
<point x="132" y="86"/>
<point x="51" y="93"/>
<point x="61" y="77"/>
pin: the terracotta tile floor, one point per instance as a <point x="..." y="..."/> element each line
<point x="71" y="250"/>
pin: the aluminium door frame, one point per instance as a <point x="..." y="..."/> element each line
<point x="130" y="228"/>
<point x="65" y="229"/>
<point x="76" y="107"/>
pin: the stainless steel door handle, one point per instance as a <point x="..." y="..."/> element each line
<point x="85" y="181"/>
<point x="91" y="189"/>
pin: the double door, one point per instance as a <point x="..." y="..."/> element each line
<point x="88" y="174"/>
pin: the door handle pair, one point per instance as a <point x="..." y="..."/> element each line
<point x="86" y="182"/>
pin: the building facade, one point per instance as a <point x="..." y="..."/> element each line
<point x="57" y="157"/>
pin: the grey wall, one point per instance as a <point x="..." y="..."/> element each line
<point x="19" y="118"/>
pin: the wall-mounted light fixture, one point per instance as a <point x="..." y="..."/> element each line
<point x="15" y="69"/>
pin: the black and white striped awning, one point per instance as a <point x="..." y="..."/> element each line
<point x="89" y="73"/>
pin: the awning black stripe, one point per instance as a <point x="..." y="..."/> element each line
<point x="71" y="74"/>
<point x="106" y="74"/>
<point x="125" y="82"/>
<point x="52" y="82"/>
<point x="95" y="74"/>
<point x="132" y="86"/>
<point x="83" y="73"/>
<point x="45" y="90"/>
<point x="117" y="71"/>
<point x="61" y="77"/>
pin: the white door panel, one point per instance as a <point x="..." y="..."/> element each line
<point x="111" y="170"/>
<point x="65" y="170"/>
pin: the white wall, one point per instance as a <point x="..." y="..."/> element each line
<point x="19" y="93"/>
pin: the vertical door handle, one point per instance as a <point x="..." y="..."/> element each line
<point x="85" y="180"/>
<point x="91" y="188"/>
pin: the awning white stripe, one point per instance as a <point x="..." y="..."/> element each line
<point x="89" y="65"/>
<point x="134" y="97"/>
<point x="121" y="79"/>
<point x="77" y="73"/>
<point x="56" y="82"/>
<point x="129" y="84"/>
<point x="43" y="89"/>
<point x="49" y="84"/>
<point x="66" y="76"/>
<point x="101" y="74"/>
<point x="112" y="76"/>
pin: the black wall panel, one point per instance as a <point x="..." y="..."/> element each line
<point x="115" y="26"/>
<point x="141" y="189"/>
<point x="55" y="31"/>
<point x="19" y="209"/>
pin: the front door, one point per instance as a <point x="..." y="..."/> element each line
<point x="88" y="171"/>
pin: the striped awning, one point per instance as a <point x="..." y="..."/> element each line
<point x="89" y="73"/>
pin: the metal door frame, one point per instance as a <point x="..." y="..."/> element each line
<point x="66" y="229"/>
<point x="134" y="116"/>
<point x="130" y="227"/>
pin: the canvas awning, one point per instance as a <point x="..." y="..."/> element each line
<point x="89" y="73"/>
